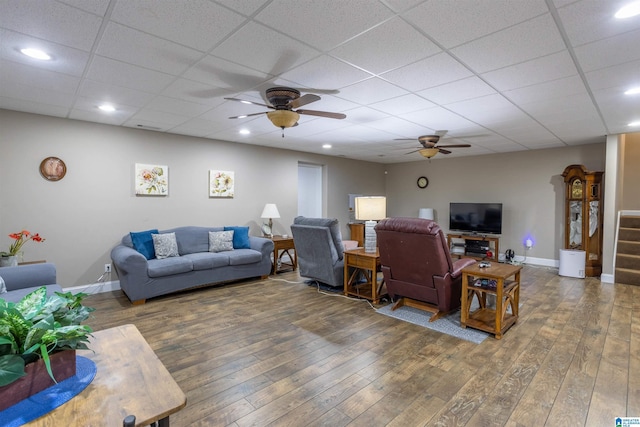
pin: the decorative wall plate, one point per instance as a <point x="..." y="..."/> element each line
<point x="53" y="169"/>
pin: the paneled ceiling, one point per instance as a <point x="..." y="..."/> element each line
<point x="501" y="75"/>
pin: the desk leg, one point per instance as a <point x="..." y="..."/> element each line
<point x="163" y="422"/>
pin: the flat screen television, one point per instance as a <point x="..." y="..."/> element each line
<point x="476" y="218"/>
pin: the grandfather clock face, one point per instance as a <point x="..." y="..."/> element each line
<point x="576" y="189"/>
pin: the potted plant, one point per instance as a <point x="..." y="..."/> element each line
<point x="36" y="331"/>
<point x="8" y="259"/>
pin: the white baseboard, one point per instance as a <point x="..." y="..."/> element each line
<point x="95" y="288"/>
<point x="607" y="278"/>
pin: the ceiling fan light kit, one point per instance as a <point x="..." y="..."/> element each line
<point x="429" y="152"/>
<point x="283" y="118"/>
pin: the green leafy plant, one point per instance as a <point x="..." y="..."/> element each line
<point x="37" y="326"/>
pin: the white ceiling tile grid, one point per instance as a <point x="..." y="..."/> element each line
<point x="500" y="75"/>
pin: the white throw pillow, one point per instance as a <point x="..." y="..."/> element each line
<point x="165" y="245"/>
<point x="220" y="241"/>
<point x="3" y="286"/>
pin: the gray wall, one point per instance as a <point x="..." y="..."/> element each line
<point x="85" y="214"/>
<point x="528" y="184"/>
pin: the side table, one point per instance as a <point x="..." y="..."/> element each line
<point x="501" y="280"/>
<point x="357" y="262"/>
<point x="282" y="245"/>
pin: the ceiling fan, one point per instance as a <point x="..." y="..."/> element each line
<point x="430" y="145"/>
<point x="283" y="100"/>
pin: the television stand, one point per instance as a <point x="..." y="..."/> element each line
<point x="473" y="246"/>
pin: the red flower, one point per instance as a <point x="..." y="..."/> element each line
<point x="20" y="239"/>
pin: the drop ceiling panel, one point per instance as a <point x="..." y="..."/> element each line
<point x="263" y="49"/>
<point x="12" y="72"/>
<point x="523" y="42"/>
<point x="620" y="77"/>
<point x="107" y="93"/>
<point x="453" y="23"/>
<point x="52" y="21"/>
<point x="186" y="22"/>
<point x="135" y="47"/>
<point x="433" y="71"/>
<point x="324" y="24"/>
<point x="32" y="107"/>
<point x="401" y="42"/>
<point x="538" y="70"/>
<point x="469" y="88"/>
<point x="200" y="93"/>
<point x="439" y="118"/>
<point x="612" y="51"/>
<point x="403" y="104"/>
<point x="118" y="73"/>
<point x="325" y="72"/>
<point x="371" y="91"/>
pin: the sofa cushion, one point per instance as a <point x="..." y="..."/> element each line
<point x="244" y="256"/>
<point x="208" y="260"/>
<point x="168" y="266"/>
<point x="334" y="229"/>
<point x="143" y="242"/>
<point x="192" y="239"/>
<point x="165" y="245"/>
<point x="220" y="241"/>
<point x="240" y="237"/>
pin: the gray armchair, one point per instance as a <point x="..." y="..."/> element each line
<point x="319" y="249"/>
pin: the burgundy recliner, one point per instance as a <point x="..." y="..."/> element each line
<point x="417" y="266"/>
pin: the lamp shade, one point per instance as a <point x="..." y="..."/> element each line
<point x="270" y="211"/>
<point x="371" y="208"/>
<point x="425" y="213"/>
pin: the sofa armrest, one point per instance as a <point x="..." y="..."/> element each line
<point x="127" y="260"/>
<point x="262" y="244"/>
<point x="459" y="264"/>
<point x="28" y="276"/>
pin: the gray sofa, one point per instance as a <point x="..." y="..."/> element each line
<point x="142" y="278"/>
<point x="24" y="279"/>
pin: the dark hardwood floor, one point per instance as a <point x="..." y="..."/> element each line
<point x="278" y="353"/>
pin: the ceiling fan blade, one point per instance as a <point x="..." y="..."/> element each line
<point x="414" y="151"/>
<point x="248" y="115"/>
<point x="304" y="100"/>
<point x="443" y="151"/>
<point x="322" y="114"/>
<point x="404" y="139"/>
<point x="454" y="146"/>
<point x="244" y="101"/>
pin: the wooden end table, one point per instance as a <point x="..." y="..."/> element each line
<point x="284" y="244"/>
<point x="501" y="280"/>
<point x="130" y="380"/>
<point x="357" y="262"/>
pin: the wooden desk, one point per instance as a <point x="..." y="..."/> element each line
<point x="130" y="380"/>
<point x="357" y="262"/>
<point x="507" y="294"/>
<point x="284" y="244"/>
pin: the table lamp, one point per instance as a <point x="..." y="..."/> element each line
<point x="370" y="209"/>
<point x="425" y="213"/>
<point x="270" y="211"/>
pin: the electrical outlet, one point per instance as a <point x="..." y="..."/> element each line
<point x="107" y="268"/>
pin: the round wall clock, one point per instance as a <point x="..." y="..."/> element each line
<point x="53" y="169"/>
<point x="423" y="182"/>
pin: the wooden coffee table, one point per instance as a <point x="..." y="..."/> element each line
<point x="130" y="380"/>
<point x="478" y="282"/>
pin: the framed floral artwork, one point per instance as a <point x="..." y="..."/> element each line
<point x="152" y="180"/>
<point x="221" y="183"/>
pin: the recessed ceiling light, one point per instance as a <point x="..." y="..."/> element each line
<point x="107" y="108"/>
<point x="244" y="132"/>
<point x="633" y="91"/>
<point x="635" y="123"/>
<point x="35" y="53"/>
<point x="632" y="9"/>
<point x="326" y="146"/>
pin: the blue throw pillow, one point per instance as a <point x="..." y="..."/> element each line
<point x="240" y="237"/>
<point x="143" y="242"/>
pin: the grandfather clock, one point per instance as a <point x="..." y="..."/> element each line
<point x="583" y="215"/>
